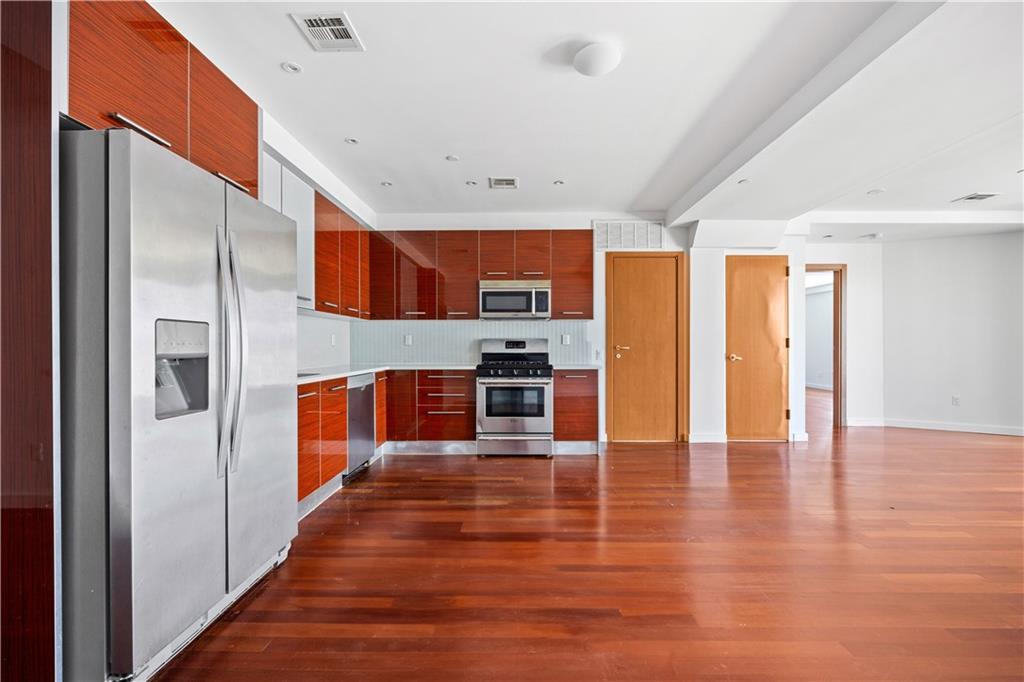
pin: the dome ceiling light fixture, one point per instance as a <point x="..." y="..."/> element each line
<point x="597" y="59"/>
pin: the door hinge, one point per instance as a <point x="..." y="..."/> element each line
<point x="787" y="342"/>
<point x="787" y="414"/>
<point x="787" y="271"/>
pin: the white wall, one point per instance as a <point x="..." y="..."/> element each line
<point x="864" y="339"/>
<point x="954" y="326"/>
<point x="819" y="337"/>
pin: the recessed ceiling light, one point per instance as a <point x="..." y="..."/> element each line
<point x="1021" y="170"/>
<point x="385" y="183"/>
<point x="351" y="140"/>
<point x="873" y="192"/>
<point x="742" y="181"/>
<point x="291" y="67"/>
<point x="871" y="235"/>
<point x="826" y="236"/>
<point x="451" y="157"/>
<point x="471" y="183"/>
<point x="558" y="182"/>
<point x="597" y="59"/>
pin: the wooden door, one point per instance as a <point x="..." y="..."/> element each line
<point x="224" y="133"/>
<point x="572" y="274"/>
<point x="327" y="248"/>
<point x="124" y="58"/>
<point x="349" y="265"/>
<point x="533" y="254"/>
<point x="576" y="405"/>
<point x="646" y="346"/>
<point x="497" y="254"/>
<point x="756" y="347"/>
<point x="382" y="275"/>
<point x="380" y="396"/>
<point x="416" y="274"/>
<point x="333" y="428"/>
<point x="458" y="257"/>
<point x="309" y="438"/>
<point x="401" y="399"/>
<point x="365" y="311"/>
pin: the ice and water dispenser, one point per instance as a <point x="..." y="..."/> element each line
<point x="182" y="367"/>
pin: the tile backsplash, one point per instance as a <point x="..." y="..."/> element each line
<point x="458" y="342"/>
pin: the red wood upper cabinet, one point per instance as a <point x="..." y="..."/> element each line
<point x="349" y="265"/>
<point x="533" y="254"/>
<point x="458" y="256"/>
<point x="328" y="250"/>
<point x="123" y="58"/>
<point x="333" y="428"/>
<point x="497" y="254"/>
<point x="224" y="135"/>
<point x="416" y="274"/>
<point x="572" y="277"/>
<point x="401" y="405"/>
<point x="309" y="438"/>
<point x="381" y="407"/>
<point x="365" y="266"/>
<point x="576" y="405"/>
<point x="382" y="275"/>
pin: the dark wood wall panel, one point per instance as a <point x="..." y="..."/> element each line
<point x="26" y="370"/>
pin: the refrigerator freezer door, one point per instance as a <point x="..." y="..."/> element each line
<point x="166" y="502"/>
<point x="262" y="511"/>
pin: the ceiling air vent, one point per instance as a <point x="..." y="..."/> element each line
<point x="503" y="183"/>
<point x="975" y="196"/>
<point x="329" y="33"/>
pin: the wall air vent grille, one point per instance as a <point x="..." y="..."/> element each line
<point x="975" y="196"/>
<point x="503" y="183"/>
<point x="329" y="33"/>
<point x="627" y="234"/>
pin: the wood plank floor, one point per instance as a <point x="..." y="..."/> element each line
<point x="868" y="554"/>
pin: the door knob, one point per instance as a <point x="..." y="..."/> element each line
<point x="621" y="347"/>
<point x="733" y="357"/>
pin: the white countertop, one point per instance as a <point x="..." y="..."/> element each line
<point x="313" y="374"/>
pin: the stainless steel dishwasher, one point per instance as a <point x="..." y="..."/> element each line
<point x="361" y="413"/>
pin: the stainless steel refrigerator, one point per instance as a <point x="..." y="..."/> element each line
<point x="178" y="332"/>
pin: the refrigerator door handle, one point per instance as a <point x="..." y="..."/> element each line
<point x="229" y="315"/>
<point x="243" y="350"/>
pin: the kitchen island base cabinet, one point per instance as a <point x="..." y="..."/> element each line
<point x="576" y="405"/>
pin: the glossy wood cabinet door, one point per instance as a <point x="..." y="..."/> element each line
<point x="458" y="260"/>
<point x="124" y="58"/>
<point x="447" y="422"/>
<point x="349" y="265"/>
<point x="381" y="407"/>
<point x="365" y="266"/>
<point x="382" y="275"/>
<point x="497" y="254"/>
<point x="572" y="276"/>
<point x="416" y="274"/>
<point x="333" y="428"/>
<point x="576" y="405"/>
<point x="309" y="438"/>
<point x="224" y="135"/>
<point x="401" y="405"/>
<point x="328" y="250"/>
<point x="533" y="254"/>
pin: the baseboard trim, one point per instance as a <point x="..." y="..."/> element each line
<point x="820" y="387"/>
<point x="708" y="438"/>
<point x="798" y="437"/>
<point x="468" y="447"/>
<point x="990" y="429"/>
<point x="865" y="421"/>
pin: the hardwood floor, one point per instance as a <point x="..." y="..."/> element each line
<point x="819" y="412"/>
<point x="873" y="554"/>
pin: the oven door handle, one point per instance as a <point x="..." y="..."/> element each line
<point x="505" y="382"/>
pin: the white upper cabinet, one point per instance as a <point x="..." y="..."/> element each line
<point x="270" y="183"/>
<point x="297" y="203"/>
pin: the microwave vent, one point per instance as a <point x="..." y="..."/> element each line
<point x="329" y="32"/>
<point x="628" y="234"/>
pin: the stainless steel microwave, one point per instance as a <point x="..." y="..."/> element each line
<point x="513" y="299"/>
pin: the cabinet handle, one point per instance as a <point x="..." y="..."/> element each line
<point x="571" y="312"/>
<point x="445" y="376"/>
<point x="307" y="395"/>
<point x="446" y="412"/>
<point x="533" y="273"/>
<point x="329" y="304"/>
<point x="455" y="313"/>
<point x="332" y="389"/>
<point x="495" y="273"/>
<point x="232" y="181"/>
<point x="352" y="310"/>
<point x="303" y="298"/>
<point x="379" y="379"/>
<point x="446" y="395"/>
<point x="127" y="122"/>
<point x="575" y="376"/>
<point x="415" y="312"/>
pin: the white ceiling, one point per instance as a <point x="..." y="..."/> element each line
<point x="492" y="83"/>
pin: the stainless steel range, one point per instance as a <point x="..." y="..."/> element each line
<point x="514" y="398"/>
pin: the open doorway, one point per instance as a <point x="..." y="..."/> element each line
<point x="825" y="374"/>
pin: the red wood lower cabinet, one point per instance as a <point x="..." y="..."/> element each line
<point x="447" y="422"/>
<point x="576" y="405"/>
<point x="381" y="407"/>
<point x="309" y="438"/>
<point x="333" y="428"/>
<point x="401" y="404"/>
